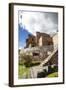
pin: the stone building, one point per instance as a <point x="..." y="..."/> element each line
<point x="41" y="39"/>
<point x="39" y="46"/>
<point x="30" y="41"/>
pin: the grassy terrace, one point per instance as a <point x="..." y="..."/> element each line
<point x="24" y="68"/>
<point x="55" y="74"/>
<point x="23" y="71"/>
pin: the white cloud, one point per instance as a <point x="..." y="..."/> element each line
<point x="36" y="21"/>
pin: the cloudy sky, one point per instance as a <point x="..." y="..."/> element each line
<point x="32" y="22"/>
<point x="39" y="21"/>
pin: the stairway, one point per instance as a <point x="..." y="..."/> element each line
<point x="34" y="70"/>
<point x="48" y="58"/>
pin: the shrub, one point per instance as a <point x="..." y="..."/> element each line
<point x="42" y="74"/>
<point x="28" y="61"/>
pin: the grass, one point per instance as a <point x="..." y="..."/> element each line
<point x="23" y="71"/>
<point x="55" y="74"/>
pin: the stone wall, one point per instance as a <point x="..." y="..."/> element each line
<point x="53" y="60"/>
<point x="30" y="41"/>
<point x="41" y="39"/>
<point x="55" y="40"/>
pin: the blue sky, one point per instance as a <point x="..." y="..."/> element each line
<point x="23" y="35"/>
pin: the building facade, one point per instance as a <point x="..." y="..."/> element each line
<point x="41" y="39"/>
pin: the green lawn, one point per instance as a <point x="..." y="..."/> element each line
<point x="23" y="71"/>
<point x="55" y="74"/>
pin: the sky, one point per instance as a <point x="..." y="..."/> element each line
<point x="31" y="22"/>
<point x="23" y="35"/>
